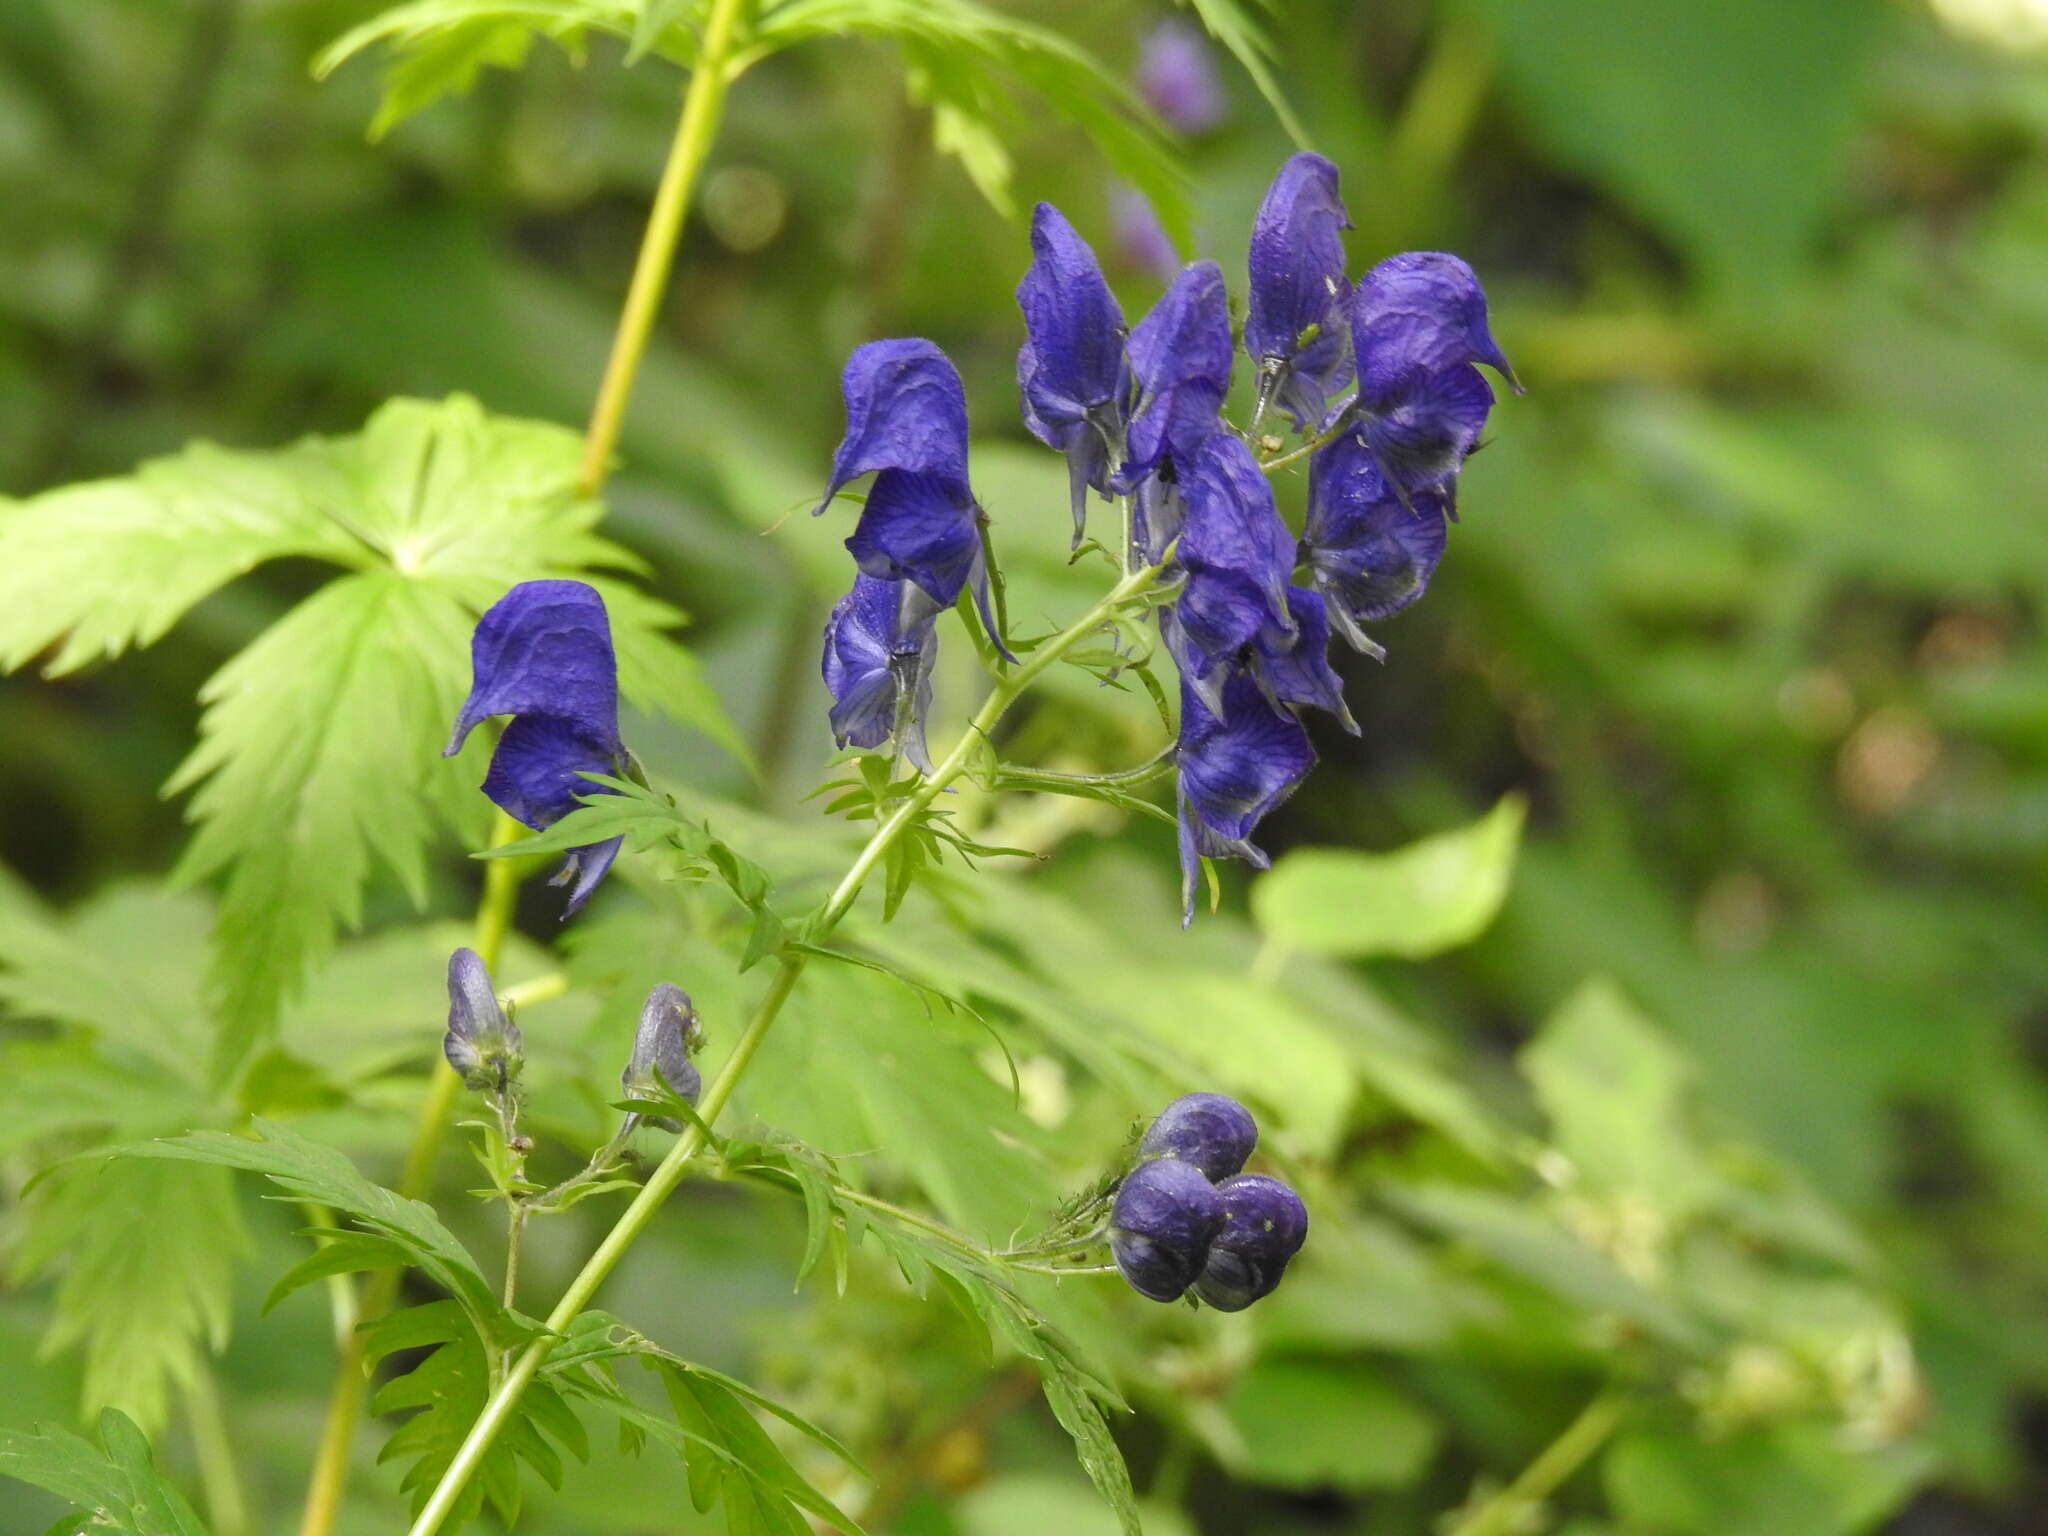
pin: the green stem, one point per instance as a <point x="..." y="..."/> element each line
<point x="703" y="106"/>
<point x="214" y="1447"/>
<point x="351" y="1387"/>
<point x="634" y="1220"/>
<point x="1577" y="1444"/>
<point x="1307" y="448"/>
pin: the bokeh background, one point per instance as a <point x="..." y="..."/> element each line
<point x="1747" y="601"/>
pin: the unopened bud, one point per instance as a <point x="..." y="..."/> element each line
<point x="481" y="1044"/>
<point x="667" y="1036"/>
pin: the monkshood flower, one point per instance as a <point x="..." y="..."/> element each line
<point x="1165" y="1216"/>
<point x="1180" y="356"/>
<point x="1369" y="554"/>
<point x="1264" y="1226"/>
<point x="1178" y="78"/>
<point x="1299" y="673"/>
<point x="906" y="422"/>
<point x="1209" y="1131"/>
<point x="543" y="655"/>
<point x="662" y="1045"/>
<point x="880" y="645"/>
<point x="1238" y="555"/>
<point x="1295" y="328"/>
<point x="1071" y="369"/>
<point x="1142" y="242"/>
<point x="1418" y="323"/>
<point x="1236" y="764"/>
<point x="482" y="1044"/>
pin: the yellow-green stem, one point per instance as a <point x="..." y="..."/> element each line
<point x="504" y="1401"/>
<point x="329" y="1477"/>
<point x="1577" y="1444"/>
<point x="213" y="1446"/>
<point x="703" y="105"/>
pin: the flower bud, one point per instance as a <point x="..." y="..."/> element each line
<point x="1208" y="1131"/>
<point x="1264" y="1225"/>
<point x="662" y="1045"/>
<point x="1165" y="1216"/>
<point x="481" y="1044"/>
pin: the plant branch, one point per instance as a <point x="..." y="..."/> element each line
<point x="703" y="106"/>
<point x="504" y="1401"/>
<point x="351" y="1380"/>
<point x="213" y="1447"/>
<point x="1577" y="1444"/>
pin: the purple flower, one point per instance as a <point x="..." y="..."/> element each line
<point x="1236" y="764"/>
<point x="1178" y="78"/>
<point x="1165" y="1216"/>
<point x="1264" y="1226"/>
<point x="1209" y="1131"/>
<point x="1181" y="355"/>
<point x="543" y="655"/>
<point x="1295" y="326"/>
<point x="1298" y="672"/>
<point x="1369" y="555"/>
<point x="880" y="645"/>
<point x="1238" y="556"/>
<point x="1071" y="370"/>
<point x="662" y="1044"/>
<point x="906" y="421"/>
<point x="482" y="1044"/>
<point x="1142" y="242"/>
<point x="1419" y="325"/>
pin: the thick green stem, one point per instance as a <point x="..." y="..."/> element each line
<point x="703" y="106"/>
<point x="351" y="1387"/>
<point x="504" y="1401"/>
<point x="1577" y="1444"/>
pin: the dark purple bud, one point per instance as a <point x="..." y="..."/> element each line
<point x="1210" y="1132"/>
<point x="1165" y="1216"/>
<point x="1071" y="371"/>
<point x="1181" y="357"/>
<point x="1178" y="78"/>
<point x="1419" y="324"/>
<point x="662" y="1045"/>
<point x="1295" y="327"/>
<point x="1236" y="765"/>
<point x="1298" y="671"/>
<point x="482" y="1044"/>
<point x="906" y="422"/>
<point x="543" y="655"/>
<point x="1238" y="556"/>
<point x="1264" y="1226"/>
<point x="880" y="645"/>
<point x="1369" y="555"/>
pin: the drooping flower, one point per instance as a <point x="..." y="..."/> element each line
<point x="662" y="1044"/>
<point x="880" y="645"/>
<point x="481" y="1044"/>
<point x="1264" y="1226"/>
<point x="906" y="422"/>
<point x="1165" y="1216"/>
<point x="543" y="655"/>
<point x="1299" y="672"/>
<point x="1178" y="78"/>
<point x="1211" y="1131"/>
<point x="1071" y="369"/>
<point x="1180" y="358"/>
<point x="1419" y="325"/>
<point x="1238" y="556"/>
<point x="1295" y="328"/>
<point x="1236" y="764"/>
<point x="1369" y="555"/>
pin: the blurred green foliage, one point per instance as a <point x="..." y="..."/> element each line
<point x="1745" y="1087"/>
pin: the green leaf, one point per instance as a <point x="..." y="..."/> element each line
<point x="1415" y="902"/>
<point x="308" y="1171"/>
<point x="115" y="1483"/>
<point x="145" y="1258"/>
<point x="1308" y="1424"/>
<point x="1759" y="1482"/>
<point x="1232" y="25"/>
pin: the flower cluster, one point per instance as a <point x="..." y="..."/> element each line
<point x="1381" y="376"/>
<point x="1186" y="1219"/>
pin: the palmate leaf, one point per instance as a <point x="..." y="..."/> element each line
<point x="115" y="1484"/>
<point x="319" y="761"/>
